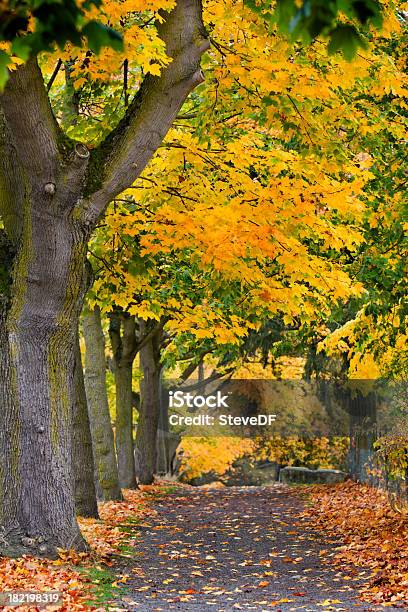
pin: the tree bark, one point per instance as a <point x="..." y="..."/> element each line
<point x="39" y="328"/>
<point x="106" y="472"/>
<point x="167" y="441"/>
<point x="122" y="331"/>
<point x="146" y="434"/>
<point x="83" y="461"/>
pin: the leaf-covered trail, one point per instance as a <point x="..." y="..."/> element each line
<point x="236" y="548"/>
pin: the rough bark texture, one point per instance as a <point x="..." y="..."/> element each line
<point x="82" y="457"/>
<point x="52" y="194"/>
<point x="122" y="331"/>
<point x="38" y="507"/>
<point x="146" y="435"/>
<point x="106" y="476"/>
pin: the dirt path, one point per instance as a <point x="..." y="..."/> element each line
<point x="236" y="548"/>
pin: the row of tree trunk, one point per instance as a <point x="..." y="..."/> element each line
<point x="106" y="461"/>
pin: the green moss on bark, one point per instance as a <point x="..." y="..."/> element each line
<point x="7" y="255"/>
<point x="66" y="328"/>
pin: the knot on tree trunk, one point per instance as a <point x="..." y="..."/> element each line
<point x="50" y="188"/>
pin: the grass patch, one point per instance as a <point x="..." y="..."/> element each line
<point x="158" y="494"/>
<point x="105" y="587"/>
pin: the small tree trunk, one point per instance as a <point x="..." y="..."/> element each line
<point x="163" y="433"/>
<point x="146" y="435"/>
<point x="124" y="352"/>
<point x="107" y="478"/>
<point x="363" y="424"/>
<point x="167" y="441"/>
<point x="83" y="462"/>
<point x="124" y="426"/>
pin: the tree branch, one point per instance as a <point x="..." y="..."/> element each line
<point x="31" y="122"/>
<point x="129" y="338"/>
<point x="54" y="75"/>
<point x="115" y="337"/>
<point x="143" y="339"/>
<point x="191" y="368"/>
<point x="121" y="158"/>
<point x="212" y="378"/>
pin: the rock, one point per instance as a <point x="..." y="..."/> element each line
<point x="246" y="473"/>
<point x="303" y="475"/>
<point x="266" y="473"/>
<point x="199" y="481"/>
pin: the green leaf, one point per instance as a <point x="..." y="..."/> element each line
<point x="99" y="35"/>
<point x="21" y="48"/>
<point x="4" y="62"/>
<point x="345" y="38"/>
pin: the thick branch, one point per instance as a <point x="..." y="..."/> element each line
<point x="149" y="333"/>
<point x="191" y="368"/>
<point x="115" y="336"/>
<point x="124" y="346"/>
<point x="121" y="158"/>
<point x="129" y="347"/>
<point x="31" y="123"/>
<point x="212" y="378"/>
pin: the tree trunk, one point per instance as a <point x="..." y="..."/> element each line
<point x="363" y="432"/>
<point x="146" y="435"/>
<point x="39" y="328"/>
<point x="167" y="441"/>
<point x="124" y="426"/>
<point x="163" y="433"/>
<point x="124" y="352"/>
<point x="107" y="478"/>
<point x="83" y="461"/>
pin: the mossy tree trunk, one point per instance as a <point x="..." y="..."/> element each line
<point x="82" y="456"/>
<point x="106" y="472"/>
<point x="53" y="193"/>
<point x="41" y="306"/>
<point x="122" y="331"/>
<point x="39" y="321"/>
<point x="38" y="509"/>
<point x="149" y="410"/>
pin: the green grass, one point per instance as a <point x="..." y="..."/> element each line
<point x="104" y="588"/>
<point x="164" y="491"/>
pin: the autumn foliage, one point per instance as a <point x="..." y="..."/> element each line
<point x="216" y="455"/>
<point x="368" y="532"/>
<point x="69" y="574"/>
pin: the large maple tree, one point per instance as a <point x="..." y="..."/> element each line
<point x="54" y="192"/>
